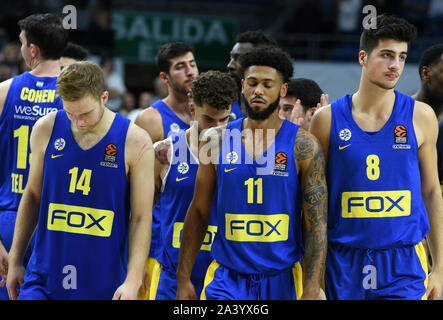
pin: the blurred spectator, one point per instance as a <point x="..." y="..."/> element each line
<point x="12" y="56"/>
<point x="100" y="36"/>
<point x="144" y="101"/>
<point x="129" y="104"/>
<point x="161" y="89"/>
<point x="416" y="12"/>
<point x="435" y="19"/>
<point x="307" y="18"/>
<point x="72" y="53"/>
<point x="348" y="16"/>
<point x="114" y="83"/>
<point x="5" y="71"/>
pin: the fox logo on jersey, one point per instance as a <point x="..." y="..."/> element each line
<point x="257" y="227"/>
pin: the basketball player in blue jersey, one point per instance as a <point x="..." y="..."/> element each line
<point x="88" y="199"/>
<point x="212" y="95"/>
<point x="260" y="197"/>
<point x="244" y="42"/>
<point x="178" y="69"/>
<point x="384" y="195"/>
<point x="23" y="100"/>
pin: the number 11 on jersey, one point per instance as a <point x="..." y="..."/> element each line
<point x="250" y="183"/>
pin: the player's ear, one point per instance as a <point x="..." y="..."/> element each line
<point x="426" y="73"/>
<point x="283" y="90"/>
<point x="362" y="57"/>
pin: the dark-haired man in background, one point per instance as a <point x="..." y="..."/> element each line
<point x="303" y="98"/>
<point x="178" y="68"/>
<point x="23" y="100"/>
<point x="245" y="41"/>
<point x="384" y="195"/>
<point x="72" y="53"/>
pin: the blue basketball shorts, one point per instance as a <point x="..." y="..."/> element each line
<point x="164" y="284"/>
<point x="370" y="274"/>
<point x="222" y="283"/>
<point x="7" y="225"/>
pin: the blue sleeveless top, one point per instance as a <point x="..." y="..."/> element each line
<point x="84" y="215"/>
<point x="176" y="196"/>
<point x="259" y="205"/>
<point x="171" y="125"/>
<point x="374" y="180"/>
<point x="28" y="99"/>
<point x="236" y="113"/>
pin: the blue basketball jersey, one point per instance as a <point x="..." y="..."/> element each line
<point x="176" y="196"/>
<point x="236" y="113"/>
<point x="374" y="180"/>
<point x="29" y="98"/>
<point x="171" y="125"/>
<point x="84" y="216"/>
<point x="258" y="205"/>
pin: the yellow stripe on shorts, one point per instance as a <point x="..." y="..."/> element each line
<point x="209" y="277"/>
<point x="424" y="263"/>
<point x="156" y="271"/>
<point x="150" y="263"/>
<point x="298" y="279"/>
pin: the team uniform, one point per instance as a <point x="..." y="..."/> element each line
<point x="81" y="240"/>
<point x="29" y="98"/>
<point x="236" y="113"/>
<point x="377" y="217"/>
<point x="171" y="125"/>
<point x="258" y="245"/>
<point x="440" y="154"/>
<point x="176" y="196"/>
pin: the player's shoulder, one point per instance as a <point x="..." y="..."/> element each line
<point x="323" y="114"/>
<point x="423" y="110"/>
<point x="137" y="136"/>
<point x="151" y="120"/>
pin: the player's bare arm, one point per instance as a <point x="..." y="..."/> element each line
<point x="321" y="128"/>
<point x="198" y="215"/>
<point x="4" y="88"/>
<point x="28" y="211"/>
<point x="310" y="161"/>
<point x="426" y="128"/>
<point x="139" y="154"/>
<point x="151" y="121"/>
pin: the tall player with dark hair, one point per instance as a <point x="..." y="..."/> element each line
<point x="23" y="100"/>
<point x="178" y="68"/>
<point x="379" y="214"/>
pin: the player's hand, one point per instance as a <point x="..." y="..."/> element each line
<point x="297" y="117"/>
<point x="145" y="283"/>
<point x="317" y="294"/>
<point x="127" y="291"/>
<point x="185" y="291"/>
<point x="435" y="284"/>
<point x="3" y="264"/>
<point x="324" y="101"/>
<point x="16" y="276"/>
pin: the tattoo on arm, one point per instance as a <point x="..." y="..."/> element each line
<point x="309" y="155"/>
<point x="162" y="150"/>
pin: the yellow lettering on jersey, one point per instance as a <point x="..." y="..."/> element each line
<point x="82" y="220"/>
<point x="376" y="204"/>
<point x="37" y="96"/>
<point x="257" y="228"/>
<point x="17" y="183"/>
<point x="207" y="242"/>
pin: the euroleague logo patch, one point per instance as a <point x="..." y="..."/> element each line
<point x="280" y="164"/>
<point x="401" y="137"/>
<point x="110" y="156"/>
